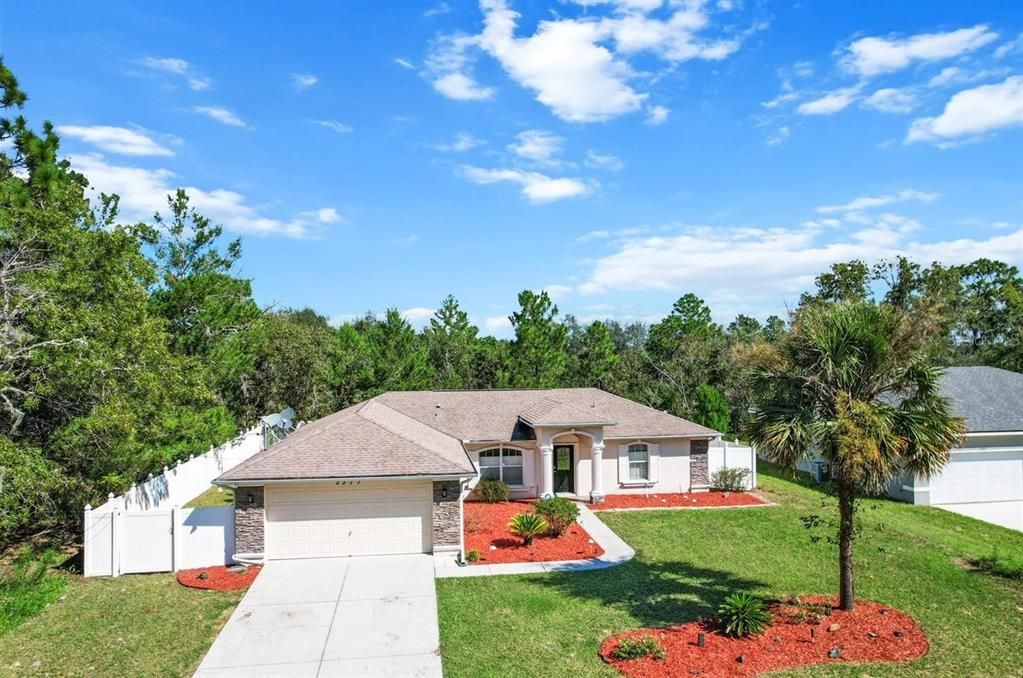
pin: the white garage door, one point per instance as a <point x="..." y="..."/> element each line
<point x="979" y="477"/>
<point x="329" y="521"/>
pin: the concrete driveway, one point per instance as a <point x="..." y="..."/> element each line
<point x="333" y="617"/>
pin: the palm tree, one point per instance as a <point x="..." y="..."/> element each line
<point x="851" y="383"/>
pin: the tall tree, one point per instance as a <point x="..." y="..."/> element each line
<point x="539" y="353"/>
<point x="684" y="351"/>
<point x="451" y="343"/>
<point x="845" y="281"/>
<point x="852" y="382"/>
<point x="595" y="357"/>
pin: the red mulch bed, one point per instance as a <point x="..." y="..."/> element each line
<point x="218" y="578"/>
<point x="677" y="500"/>
<point x="871" y="633"/>
<point x="486" y="525"/>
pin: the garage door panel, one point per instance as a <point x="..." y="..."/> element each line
<point x="337" y="521"/>
<point x="972" y="477"/>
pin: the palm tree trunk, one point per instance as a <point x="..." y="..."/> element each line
<point x="846" y="584"/>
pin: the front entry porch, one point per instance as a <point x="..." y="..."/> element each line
<point x="572" y="462"/>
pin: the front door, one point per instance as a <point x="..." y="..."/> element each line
<point x="564" y="477"/>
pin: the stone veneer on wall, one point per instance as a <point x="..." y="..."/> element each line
<point x="698" y="467"/>
<point x="447" y="522"/>
<point x="248" y="520"/>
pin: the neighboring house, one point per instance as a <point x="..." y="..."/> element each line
<point x="389" y="475"/>
<point x="984" y="476"/>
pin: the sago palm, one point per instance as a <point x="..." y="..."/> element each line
<point x="851" y="383"/>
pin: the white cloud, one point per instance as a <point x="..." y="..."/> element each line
<point x="537" y="188"/>
<point x="404" y="63"/>
<point x="765" y="264"/>
<point x="168" y="64"/>
<point x="335" y="125"/>
<point x="409" y="239"/>
<point x="327" y="215"/>
<point x="461" y="87"/>
<point x="657" y="115"/>
<point x="120" y="140"/>
<point x="538" y="146"/>
<point x="418" y="316"/>
<point x="891" y="100"/>
<point x="180" y="67"/>
<point x="221" y="115"/>
<point x="973" y="112"/>
<point x="1010" y="47"/>
<point x="954" y="75"/>
<point x="303" y="81"/>
<point x="498" y="326"/>
<point x="872" y="56"/>
<point x="593" y="235"/>
<point x="871" y="201"/>
<point x="463" y="142"/>
<point x="438" y="9"/>
<point x="556" y="292"/>
<point x="780" y="136"/>
<point x="144" y="192"/>
<point x="803" y="69"/>
<point x="603" y="161"/>
<point x="832" y="102"/>
<point x="578" y="67"/>
<point x="783" y="98"/>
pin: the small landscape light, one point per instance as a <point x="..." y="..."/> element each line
<point x="701" y="640"/>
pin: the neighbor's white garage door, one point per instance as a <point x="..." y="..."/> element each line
<point x="979" y="477"/>
<point x="327" y="520"/>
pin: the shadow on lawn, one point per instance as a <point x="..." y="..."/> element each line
<point x="656" y="594"/>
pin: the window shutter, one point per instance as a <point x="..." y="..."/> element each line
<point x="655" y="462"/>
<point x="623" y="463"/>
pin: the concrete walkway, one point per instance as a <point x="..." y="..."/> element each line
<point x="616" y="552"/>
<point x="333" y="617"/>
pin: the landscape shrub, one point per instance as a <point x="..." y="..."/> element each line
<point x="472" y="556"/>
<point x="527" y="526"/>
<point x="558" y="512"/>
<point x="743" y="614"/>
<point x="635" y="648"/>
<point x="729" y="479"/>
<point x="492" y="491"/>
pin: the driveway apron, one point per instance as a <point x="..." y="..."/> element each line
<point x="372" y="616"/>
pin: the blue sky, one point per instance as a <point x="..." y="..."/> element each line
<point x="618" y="154"/>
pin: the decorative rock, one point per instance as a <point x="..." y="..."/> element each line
<point x="493" y="548"/>
<point x="834" y="627"/>
<point x="899" y="633"/>
<point x="871" y="634"/>
<point x="835" y="653"/>
<point x="741" y="659"/>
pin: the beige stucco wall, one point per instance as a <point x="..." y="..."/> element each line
<point x="530" y="465"/>
<point x="673" y="472"/>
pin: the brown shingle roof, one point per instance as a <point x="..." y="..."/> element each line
<point x="421" y="432"/>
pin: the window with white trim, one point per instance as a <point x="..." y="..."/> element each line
<point x="639" y="462"/>
<point x="501" y="464"/>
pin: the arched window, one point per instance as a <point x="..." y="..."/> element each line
<point x="502" y="464"/>
<point x="639" y="462"/>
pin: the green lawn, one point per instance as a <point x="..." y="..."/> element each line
<point x="136" y="625"/>
<point x="687" y="561"/>
<point x="214" y="496"/>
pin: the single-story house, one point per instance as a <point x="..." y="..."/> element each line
<point x="984" y="476"/>
<point x="389" y="475"/>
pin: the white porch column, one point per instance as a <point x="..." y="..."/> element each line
<point x="547" y="459"/>
<point x="597" y="462"/>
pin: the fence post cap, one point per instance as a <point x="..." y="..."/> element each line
<point x="165" y="469"/>
<point x="150" y="476"/>
<point x="110" y="496"/>
<point x="88" y="507"/>
<point x="179" y="462"/>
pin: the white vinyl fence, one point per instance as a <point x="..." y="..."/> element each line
<point x="723" y="454"/>
<point x="145" y="530"/>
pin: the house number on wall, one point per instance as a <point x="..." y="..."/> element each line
<point x="347" y="482"/>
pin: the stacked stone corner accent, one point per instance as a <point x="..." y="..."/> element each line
<point x="447" y="524"/>
<point x="698" y="464"/>
<point x="248" y="520"/>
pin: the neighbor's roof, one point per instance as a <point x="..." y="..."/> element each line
<point x="988" y="398"/>
<point x="409" y="433"/>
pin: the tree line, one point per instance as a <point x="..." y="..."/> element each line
<point x="126" y="346"/>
